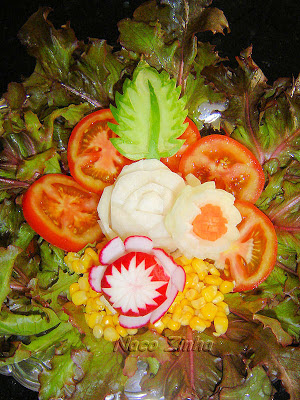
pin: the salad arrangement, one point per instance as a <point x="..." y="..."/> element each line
<point x="203" y="218"/>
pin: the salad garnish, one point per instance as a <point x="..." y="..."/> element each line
<point x="150" y="115"/>
<point x="138" y="280"/>
<point x="238" y="313"/>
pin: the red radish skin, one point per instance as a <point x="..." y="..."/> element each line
<point x="112" y="251"/>
<point x="138" y="243"/>
<point x="139" y="281"/>
<point x="95" y="276"/>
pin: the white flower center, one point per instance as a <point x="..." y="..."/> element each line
<point x="132" y="288"/>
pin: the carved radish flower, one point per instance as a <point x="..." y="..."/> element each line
<point x="138" y="280"/>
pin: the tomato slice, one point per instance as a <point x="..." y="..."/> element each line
<point x="191" y="135"/>
<point x="251" y="259"/>
<point x="231" y="165"/>
<point x="62" y="212"/>
<point x="93" y="160"/>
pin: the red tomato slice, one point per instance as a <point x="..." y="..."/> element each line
<point x="191" y="135"/>
<point x="62" y="212"/>
<point x="227" y="162"/>
<point x="251" y="259"/>
<point x="93" y="161"/>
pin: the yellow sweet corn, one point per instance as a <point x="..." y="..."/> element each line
<point x="173" y="325"/>
<point x="209" y="311"/>
<point x="226" y="287"/>
<point x="79" y="297"/>
<point x="73" y="288"/>
<point x="83" y="283"/>
<point x="218" y="298"/>
<point x="159" y="326"/>
<point x="213" y="280"/>
<point x="185" y="318"/>
<point x="132" y="331"/>
<point x="197" y="324"/>
<point x="200" y="305"/>
<point x="98" y="331"/>
<point x="121" y="330"/>
<point x="110" y="334"/>
<point x="94" y="256"/>
<point x="108" y="320"/>
<point x="209" y="293"/>
<point x="221" y="325"/>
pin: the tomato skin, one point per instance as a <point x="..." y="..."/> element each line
<point x="256" y="226"/>
<point x="224" y="160"/>
<point x="56" y="207"/>
<point x="93" y="160"/>
<point x="191" y="135"/>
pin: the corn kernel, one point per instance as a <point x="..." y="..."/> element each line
<point x="179" y="297"/>
<point x="173" y="325"/>
<point x="218" y="298"/>
<point x="98" y="331"/>
<point x="69" y="258"/>
<point x="159" y="326"/>
<point x="93" y="293"/>
<point x="185" y="319"/>
<point x="110" y="334"/>
<point x="213" y="270"/>
<point x="98" y="304"/>
<point x="207" y="323"/>
<point x="172" y="307"/>
<point x="221" y="314"/>
<point x="95" y="318"/>
<point x="223" y="307"/>
<point x="121" y="330"/>
<point x="165" y="319"/>
<point x="79" y="298"/>
<point x="199" y="286"/>
<point x="221" y="325"/>
<point x="226" y="287"/>
<point x="199" y="265"/>
<point x="115" y="318"/>
<point x="84" y="283"/>
<point x="73" y="288"/>
<point x="188" y="268"/>
<point x="188" y="309"/>
<point x="182" y="260"/>
<point x="86" y="261"/>
<point x="177" y="309"/>
<point x="197" y="324"/>
<point x="90" y="306"/>
<point x="78" y="267"/>
<point x="191" y="294"/>
<point x="198" y="303"/>
<point x="108" y="320"/>
<point x="209" y="311"/>
<point x="209" y="293"/>
<point x="176" y="317"/>
<point x="132" y="331"/>
<point x="184" y="302"/>
<point x="213" y="280"/>
<point x="94" y="256"/>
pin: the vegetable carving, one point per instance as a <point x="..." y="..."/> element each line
<point x="150" y="115"/>
<point x="138" y="202"/>
<point x="203" y="220"/>
<point x="140" y="281"/>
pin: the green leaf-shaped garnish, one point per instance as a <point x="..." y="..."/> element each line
<point x="150" y="115"/>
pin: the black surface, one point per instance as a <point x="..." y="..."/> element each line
<point x="271" y="26"/>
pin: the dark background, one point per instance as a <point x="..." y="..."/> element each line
<point x="271" y="26"/>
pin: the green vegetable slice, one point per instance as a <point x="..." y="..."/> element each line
<point x="150" y="115"/>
